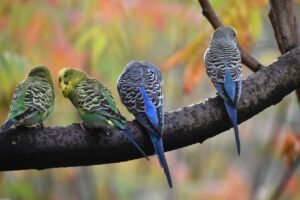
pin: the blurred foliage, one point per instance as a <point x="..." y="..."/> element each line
<point x="100" y="37"/>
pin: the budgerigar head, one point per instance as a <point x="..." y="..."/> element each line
<point x="69" y="79"/>
<point x="142" y="67"/>
<point x="225" y="33"/>
<point x="41" y="71"/>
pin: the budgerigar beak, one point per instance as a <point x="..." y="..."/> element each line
<point x="59" y="82"/>
<point x="61" y="86"/>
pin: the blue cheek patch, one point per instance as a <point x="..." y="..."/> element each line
<point x="150" y="108"/>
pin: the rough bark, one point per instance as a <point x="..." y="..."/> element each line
<point x="284" y="22"/>
<point x="283" y="18"/>
<point x="50" y="147"/>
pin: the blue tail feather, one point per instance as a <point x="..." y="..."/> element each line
<point x="232" y="112"/>
<point x="128" y="135"/>
<point x="7" y="124"/>
<point x="159" y="150"/>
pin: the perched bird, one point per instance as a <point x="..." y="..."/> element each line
<point x="224" y="68"/>
<point x="33" y="100"/>
<point x="139" y="87"/>
<point x="94" y="102"/>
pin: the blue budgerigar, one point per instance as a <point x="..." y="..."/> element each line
<point x="139" y="87"/>
<point x="224" y="68"/>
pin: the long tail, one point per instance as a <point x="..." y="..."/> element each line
<point x="128" y="134"/>
<point x="232" y="112"/>
<point x="159" y="150"/>
<point x="7" y="124"/>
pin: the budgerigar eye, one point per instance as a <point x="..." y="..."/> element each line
<point x="66" y="82"/>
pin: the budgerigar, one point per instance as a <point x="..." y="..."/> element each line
<point x="33" y="100"/>
<point x="93" y="101"/>
<point x="139" y="87"/>
<point x="224" y="68"/>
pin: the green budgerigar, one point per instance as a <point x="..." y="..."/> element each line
<point x="93" y="101"/>
<point x="33" y="100"/>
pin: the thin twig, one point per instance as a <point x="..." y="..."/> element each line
<point x="285" y="179"/>
<point x="211" y="16"/>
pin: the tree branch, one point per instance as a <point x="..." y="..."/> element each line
<point x="49" y="147"/>
<point x="283" y="19"/>
<point x="284" y="22"/>
<point x="211" y="16"/>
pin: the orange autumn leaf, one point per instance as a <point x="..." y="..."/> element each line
<point x="232" y="187"/>
<point x="156" y="12"/>
<point x="62" y="54"/>
<point x="3" y="21"/>
<point x="35" y="28"/>
<point x="175" y="59"/>
<point x="192" y="75"/>
<point x="53" y="2"/>
<point x="293" y="185"/>
<point x="111" y="10"/>
<point x="180" y="56"/>
<point x="65" y="57"/>
<point x="186" y="54"/>
<point x="257" y="4"/>
<point x="290" y="147"/>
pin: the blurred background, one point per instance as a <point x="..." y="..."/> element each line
<point x="100" y="37"/>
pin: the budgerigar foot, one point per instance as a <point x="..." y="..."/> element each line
<point x="107" y="130"/>
<point x="21" y="126"/>
<point x="82" y="126"/>
<point x="41" y="125"/>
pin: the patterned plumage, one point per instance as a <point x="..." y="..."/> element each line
<point x="33" y="100"/>
<point x="93" y="101"/>
<point x="91" y="96"/>
<point x="223" y="66"/>
<point x="139" y="87"/>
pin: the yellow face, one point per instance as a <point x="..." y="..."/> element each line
<point x="63" y="82"/>
<point x="69" y="79"/>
